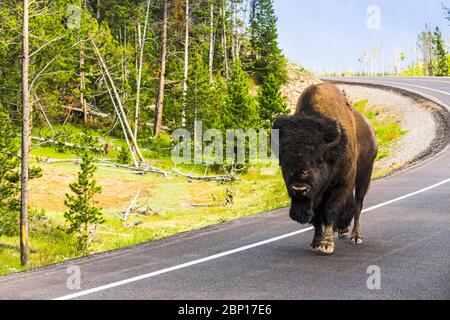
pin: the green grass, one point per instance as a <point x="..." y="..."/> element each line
<point x="386" y="130"/>
<point x="47" y="246"/>
<point x="172" y="198"/>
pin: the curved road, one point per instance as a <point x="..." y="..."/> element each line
<point x="406" y="230"/>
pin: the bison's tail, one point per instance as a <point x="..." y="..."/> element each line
<point x="346" y="217"/>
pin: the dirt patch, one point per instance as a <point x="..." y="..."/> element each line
<point x="51" y="194"/>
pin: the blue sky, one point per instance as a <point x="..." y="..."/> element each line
<point x="333" y="34"/>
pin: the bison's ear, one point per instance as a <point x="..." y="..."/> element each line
<point x="278" y="125"/>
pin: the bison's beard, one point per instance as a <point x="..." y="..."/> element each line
<point x="302" y="211"/>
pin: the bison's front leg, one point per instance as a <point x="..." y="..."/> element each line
<point x="327" y="244"/>
<point x="318" y="235"/>
<point x="333" y="208"/>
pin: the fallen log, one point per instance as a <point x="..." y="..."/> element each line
<point x="118" y="165"/>
<point x="144" y="168"/>
<point x="223" y="178"/>
<point x="131" y="206"/>
<point x="51" y="160"/>
<point x="90" y="111"/>
<point x="67" y="144"/>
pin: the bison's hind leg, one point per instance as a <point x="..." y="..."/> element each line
<point x="344" y="233"/>
<point x="361" y="187"/>
<point x="345" y="219"/>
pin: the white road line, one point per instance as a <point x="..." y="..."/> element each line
<point x="407" y="196"/>
<point x="230" y="252"/>
<point x="181" y="266"/>
<point x="404" y="84"/>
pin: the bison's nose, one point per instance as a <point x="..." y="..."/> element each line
<point x="300" y="190"/>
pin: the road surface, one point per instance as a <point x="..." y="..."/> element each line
<point x="406" y="230"/>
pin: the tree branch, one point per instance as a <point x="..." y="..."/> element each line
<point x="45" y="45"/>
<point x="42" y="70"/>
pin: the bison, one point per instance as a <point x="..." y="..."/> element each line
<point x="326" y="151"/>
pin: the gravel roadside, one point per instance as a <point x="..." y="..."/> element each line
<point x="418" y="123"/>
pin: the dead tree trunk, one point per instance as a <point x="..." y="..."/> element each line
<point x="162" y="74"/>
<point x="82" y="72"/>
<point x="211" y="42"/>
<point x="234" y="27"/>
<point x="119" y="104"/>
<point x="24" y="249"/>
<point x="83" y="83"/>
<point x="97" y="8"/>
<point x="242" y="29"/>
<point x="130" y="148"/>
<point x="186" y="65"/>
<point x="224" y="39"/>
<point x="139" y="76"/>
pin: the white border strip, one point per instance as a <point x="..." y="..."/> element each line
<point x="395" y="83"/>
<point x="230" y="252"/>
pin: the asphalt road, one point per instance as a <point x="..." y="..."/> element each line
<point x="406" y="230"/>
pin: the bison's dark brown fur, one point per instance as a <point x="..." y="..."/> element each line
<point x="327" y="151"/>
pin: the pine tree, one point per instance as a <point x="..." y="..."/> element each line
<point x="83" y="212"/>
<point x="271" y="102"/>
<point x="266" y="56"/>
<point x="241" y="109"/>
<point x="203" y="99"/>
<point x="440" y="54"/>
<point x="124" y="156"/>
<point x="9" y="177"/>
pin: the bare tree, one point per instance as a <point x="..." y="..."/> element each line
<point x="97" y="8"/>
<point x="83" y="83"/>
<point x="82" y="71"/>
<point x="139" y="76"/>
<point x="24" y="248"/>
<point x="121" y="110"/>
<point x="162" y="74"/>
<point x="224" y="38"/>
<point x="211" y="41"/>
<point x="426" y="48"/>
<point x="186" y="65"/>
<point x="234" y="19"/>
<point x="243" y="27"/>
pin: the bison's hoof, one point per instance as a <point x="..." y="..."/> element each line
<point x="315" y="246"/>
<point x="326" y="247"/>
<point x="344" y="233"/>
<point x="356" y="239"/>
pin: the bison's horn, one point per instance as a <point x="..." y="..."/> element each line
<point x="336" y="141"/>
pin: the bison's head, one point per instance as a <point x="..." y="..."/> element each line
<point x="308" y="149"/>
